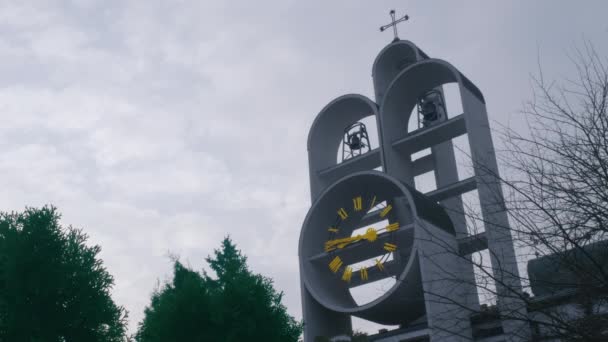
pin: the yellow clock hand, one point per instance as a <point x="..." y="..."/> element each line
<point x="370" y="235"/>
<point x="340" y="243"/>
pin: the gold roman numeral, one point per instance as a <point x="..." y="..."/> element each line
<point x="335" y="264"/>
<point x="373" y="203"/>
<point x="390" y="247"/>
<point x="386" y="210"/>
<point x="332" y="230"/>
<point x="379" y="264"/>
<point x="348" y="273"/>
<point x="363" y="273"/>
<point x="358" y="203"/>
<point x="392" y="227"/>
<point x="343" y="214"/>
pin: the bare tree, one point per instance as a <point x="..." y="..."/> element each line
<point x="556" y="195"/>
<point x="555" y="184"/>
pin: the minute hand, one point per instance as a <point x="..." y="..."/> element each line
<point x="340" y="243"/>
<point x="370" y="235"/>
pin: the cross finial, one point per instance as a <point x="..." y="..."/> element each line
<point x="394" y="23"/>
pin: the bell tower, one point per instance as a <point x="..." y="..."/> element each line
<point x="406" y="81"/>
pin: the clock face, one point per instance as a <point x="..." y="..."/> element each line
<point x="356" y="244"/>
<point x="348" y="233"/>
<point x="360" y="234"/>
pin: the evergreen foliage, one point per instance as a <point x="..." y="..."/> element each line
<point x="52" y="285"/>
<point x="236" y="305"/>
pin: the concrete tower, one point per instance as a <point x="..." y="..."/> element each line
<point x="425" y="246"/>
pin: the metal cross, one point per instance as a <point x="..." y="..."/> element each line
<point x="394" y="23"/>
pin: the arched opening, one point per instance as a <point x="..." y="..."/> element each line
<point x="434" y="106"/>
<point x="453" y="100"/>
<point x="425" y="182"/>
<point x="369" y="327"/>
<point x="401" y="111"/>
<point x="327" y="131"/>
<point x="371" y="291"/>
<point x="390" y="62"/>
<point x="355" y="141"/>
<point x="462" y="153"/>
<point x="486" y="285"/>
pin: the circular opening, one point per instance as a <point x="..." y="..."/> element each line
<point x="356" y="242"/>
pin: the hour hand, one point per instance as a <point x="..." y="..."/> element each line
<point x="339" y="243"/>
<point x="370" y="235"/>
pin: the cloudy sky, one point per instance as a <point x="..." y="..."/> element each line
<point x="161" y="126"/>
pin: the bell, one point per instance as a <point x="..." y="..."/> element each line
<point x="354" y="142"/>
<point x="429" y="111"/>
<point x="431" y="108"/>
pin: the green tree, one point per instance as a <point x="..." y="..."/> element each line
<point x="236" y="305"/>
<point x="52" y="285"/>
<point x="180" y="310"/>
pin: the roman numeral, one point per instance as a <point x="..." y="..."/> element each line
<point x="343" y="214"/>
<point x="386" y="210"/>
<point x="373" y="203"/>
<point x="392" y="227"/>
<point x="348" y="273"/>
<point x="390" y="247"/>
<point x="358" y="203"/>
<point x="363" y="273"/>
<point x="335" y="264"/>
<point x="379" y="264"/>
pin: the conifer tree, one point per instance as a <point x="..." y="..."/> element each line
<point x="235" y="305"/>
<point x="53" y="287"/>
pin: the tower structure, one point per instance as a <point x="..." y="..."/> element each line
<point x="425" y="245"/>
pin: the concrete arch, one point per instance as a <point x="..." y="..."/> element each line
<point x="390" y="61"/>
<point x="401" y="98"/>
<point x="405" y="89"/>
<point x="328" y="127"/>
<point x="407" y="291"/>
<point x="327" y="131"/>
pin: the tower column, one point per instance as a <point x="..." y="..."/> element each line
<point x="319" y="321"/>
<point x="496" y="221"/>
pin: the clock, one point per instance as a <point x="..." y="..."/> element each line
<point x="363" y="229"/>
<point x="378" y="238"/>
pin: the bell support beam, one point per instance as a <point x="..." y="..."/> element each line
<point x="423" y="165"/>
<point x="472" y="243"/>
<point x="430" y="136"/>
<point x="453" y="190"/>
<point x="363" y="162"/>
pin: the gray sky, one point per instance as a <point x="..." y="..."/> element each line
<point x="162" y="126"/>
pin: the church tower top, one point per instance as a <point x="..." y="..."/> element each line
<point x="394" y="23"/>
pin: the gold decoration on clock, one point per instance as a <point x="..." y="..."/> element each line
<point x="343" y="214"/>
<point x="392" y="227"/>
<point x="363" y="273"/>
<point x="358" y="203"/>
<point x="335" y="264"/>
<point x="390" y="247"/>
<point x="386" y="210"/>
<point x="348" y="273"/>
<point x="380" y="265"/>
<point x="340" y="237"/>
